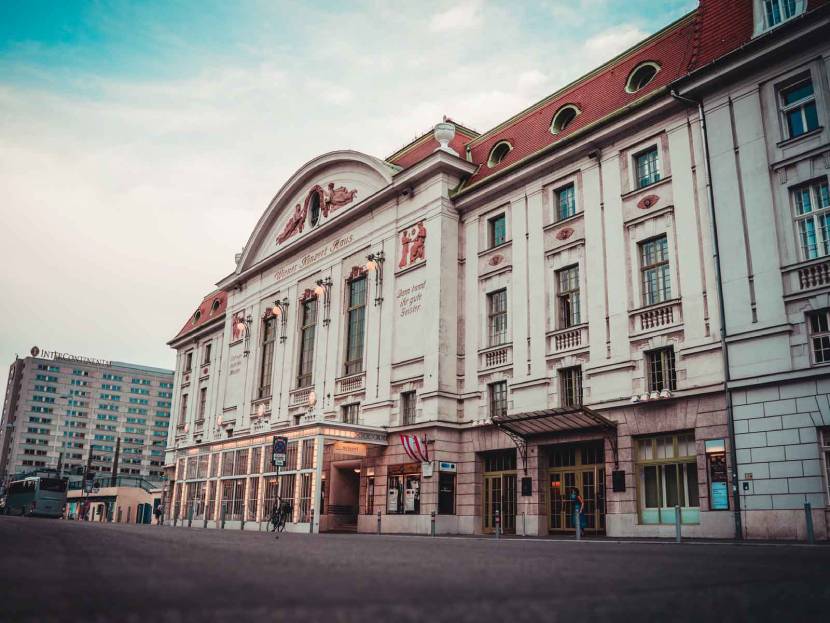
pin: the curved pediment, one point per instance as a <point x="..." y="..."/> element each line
<point x="319" y="190"/>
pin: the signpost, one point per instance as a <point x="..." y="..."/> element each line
<point x="278" y="451"/>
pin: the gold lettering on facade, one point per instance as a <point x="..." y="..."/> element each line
<point x="312" y="258"/>
<point x="411" y="299"/>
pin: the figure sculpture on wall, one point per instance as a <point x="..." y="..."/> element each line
<point x="413" y="245"/>
<point x="239" y="327"/>
<point x="294" y="225"/>
<point x="334" y="198"/>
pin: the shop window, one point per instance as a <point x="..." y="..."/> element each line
<point x="655" y="270"/>
<point x="497" y="317"/>
<point x="403" y="494"/>
<point x="565" y="202"/>
<point x="660" y="373"/>
<point x="497" y="230"/>
<point x="227" y="463"/>
<point x="304" y="503"/>
<point x="253" y="493"/>
<point x="287" y="484"/>
<point x="667" y="476"/>
<point x="370" y="495"/>
<point x="567" y="296"/>
<point x="819" y="325"/>
<point x="446" y="493"/>
<point x="233" y="497"/>
<point x="798" y="108"/>
<point x="256" y="460"/>
<point x="241" y="463"/>
<point x="570" y="386"/>
<point x="498" y="398"/>
<point x="812" y="219"/>
<point x="308" y="454"/>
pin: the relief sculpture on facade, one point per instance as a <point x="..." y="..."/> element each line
<point x="333" y="198"/>
<point x="413" y="245"/>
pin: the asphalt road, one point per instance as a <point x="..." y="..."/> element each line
<point x="53" y="570"/>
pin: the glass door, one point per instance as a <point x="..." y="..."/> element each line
<point x="500" y="495"/>
<point x="589" y="481"/>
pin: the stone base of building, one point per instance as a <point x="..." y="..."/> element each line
<point x="790" y="525"/>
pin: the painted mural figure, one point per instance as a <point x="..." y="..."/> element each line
<point x="405" y="240"/>
<point x="416" y="251"/>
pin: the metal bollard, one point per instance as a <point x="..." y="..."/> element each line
<point x="577" y="524"/>
<point x="524" y="526"/>
<point x="677" y="535"/>
<point x="432" y="523"/>
<point x="498" y="524"/>
<point x="378" y="522"/>
<point x="808" y="517"/>
<point x="190" y="517"/>
<point x="204" y="523"/>
<point x="223" y="517"/>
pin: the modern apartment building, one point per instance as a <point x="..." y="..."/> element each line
<point x="479" y="325"/>
<point x="60" y="409"/>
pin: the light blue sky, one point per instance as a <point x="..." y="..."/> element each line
<point x="141" y="141"/>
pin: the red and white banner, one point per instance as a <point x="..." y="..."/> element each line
<point x="415" y="448"/>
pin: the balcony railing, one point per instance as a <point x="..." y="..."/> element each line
<point x="496" y="356"/>
<point x="656" y="317"/>
<point x="814" y="276"/>
<point x="299" y="397"/>
<point x="351" y="383"/>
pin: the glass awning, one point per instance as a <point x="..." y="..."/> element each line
<point x="547" y="421"/>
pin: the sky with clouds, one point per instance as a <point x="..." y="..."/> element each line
<point x="141" y="141"/>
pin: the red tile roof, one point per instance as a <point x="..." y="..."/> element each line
<point x="424" y="145"/>
<point x="715" y="28"/>
<point x="206" y="312"/>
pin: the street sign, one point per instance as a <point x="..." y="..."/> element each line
<point x="278" y="452"/>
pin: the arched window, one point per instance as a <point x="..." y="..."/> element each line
<point x="563" y="118"/>
<point x="641" y="76"/>
<point x="314" y="207"/>
<point x="499" y="153"/>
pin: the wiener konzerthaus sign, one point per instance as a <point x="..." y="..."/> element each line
<point x="56" y="356"/>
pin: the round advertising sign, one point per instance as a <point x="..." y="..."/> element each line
<point x="35" y="351"/>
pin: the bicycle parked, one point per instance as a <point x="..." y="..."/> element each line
<point x="280" y="513"/>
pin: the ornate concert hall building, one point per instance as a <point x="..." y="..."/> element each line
<point x="462" y="335"/>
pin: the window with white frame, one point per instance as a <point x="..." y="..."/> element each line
<point x="819" y="326"/>
<point x="570" y="386"/>
<point x="497" y="317"/>
<point x="565" y="202"/>
<point x="655" y="270"/>
<point x="824" y="437"/>
<point x="497" y="230"/>
<point x="407" y="408"/>
<point x="567" y="296"/>
<point x="667" y="477"/>
<point x="647" y="167"/>
<point x="771" y="13"/>
<point x="498" y="398"/>
<point x="660" y="370"/>
<point x="797" y="103"/>
<point x="812" y="217"/>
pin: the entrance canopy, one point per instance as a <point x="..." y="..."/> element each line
<point x="522" y="426"/>
<point x="547" y="421"/>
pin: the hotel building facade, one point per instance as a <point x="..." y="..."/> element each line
<point x="65" y="411"/>
<point x="478" y="326"/>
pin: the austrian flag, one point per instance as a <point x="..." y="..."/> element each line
<point x="415" y="448"/>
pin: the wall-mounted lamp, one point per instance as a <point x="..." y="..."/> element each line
<point x="280" y="311"/>
<point x="374" y="264"/>
<point x="323" y="292"/>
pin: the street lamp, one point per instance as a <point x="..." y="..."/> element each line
<point x="280" y="311"/>
<point x="374" y="264"/>
<point x="323" y="291"/>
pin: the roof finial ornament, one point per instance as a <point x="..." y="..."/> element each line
<point x="444" y="132"/>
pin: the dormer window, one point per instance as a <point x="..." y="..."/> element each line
<point x="563" y="117"/>
<point x="642" y="75"/>
<point x="771" y="13"/>
<point x="197" y="315"/>
<point x="499" y="153"/>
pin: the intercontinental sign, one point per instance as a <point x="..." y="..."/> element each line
<point x="56" y="356"/>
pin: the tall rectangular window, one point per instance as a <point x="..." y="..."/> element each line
<point x="825" y="452"/>
<point x="565" y="202"/>
<point x="648" y="167"/>
<point x="202" y="402"/>
<point x="307" y="335"/>
<point x="819" y="324"/>
<point x="567" y="296"/>
<point x="266" y="364"/>
<point x="498" y="398"/>
<point x="350" y="412"/>
<point x="188" y="362"/>
<point x="497" y="317"/>
<point x="183" y="411"/>
<point x="206" y="354"/>
<point x="570" y="386"/>
<point x="798" y="107"/>
<point x="812" y="217"/>
<point x="407" y="408"/>
<point x="655" y="270"/>
<point x="497" y="230"/>
<point x="660" y="373"/>
<point x="355" y="326"/>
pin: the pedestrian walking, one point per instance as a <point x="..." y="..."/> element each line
<point x="159" y="512"/>
<point x="579" y="508"/>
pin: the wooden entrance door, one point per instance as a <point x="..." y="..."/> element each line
<point x="589" y="481"/>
